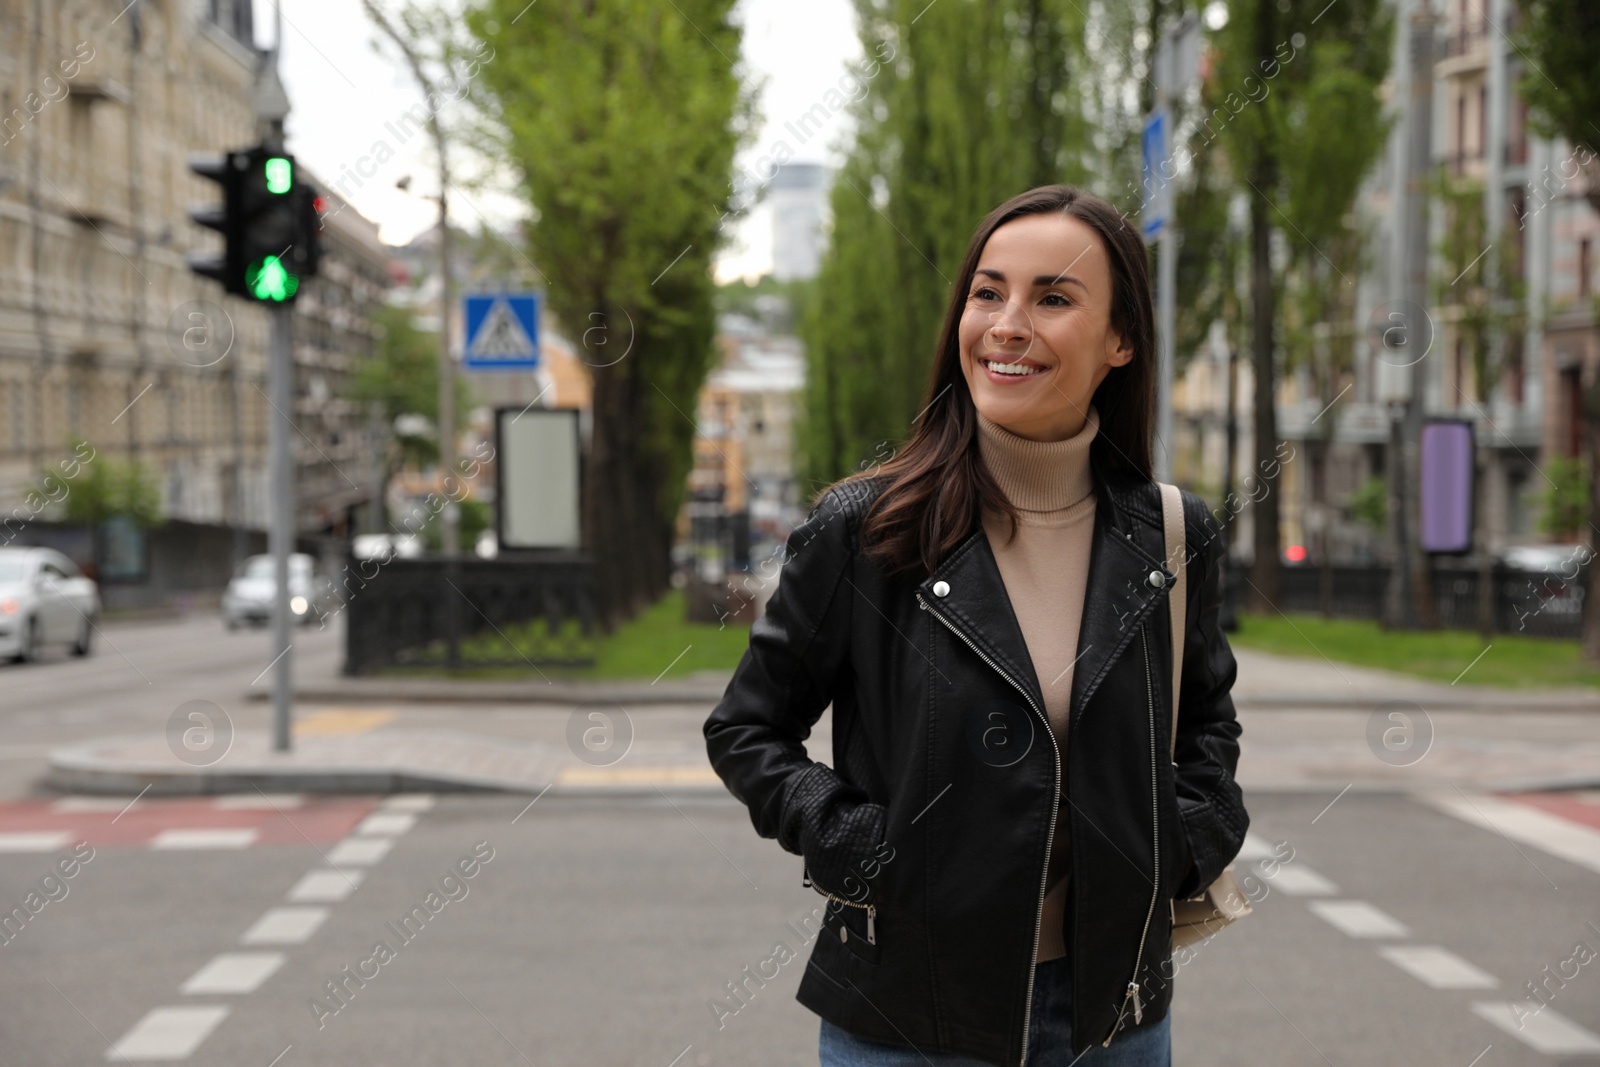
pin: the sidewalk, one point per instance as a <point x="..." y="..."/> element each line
<point x="1307" y="726"/>
<point x="1264" y="681"/>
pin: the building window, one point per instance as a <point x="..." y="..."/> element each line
<point x="1483" y="121"/>
<point x="1585" y="281"/>
<point x="1514" y="383"/>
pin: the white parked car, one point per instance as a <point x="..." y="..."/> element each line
<point x="250" y="593"/>
<point x="44" y="600"/>
<point x="384" y="547"/>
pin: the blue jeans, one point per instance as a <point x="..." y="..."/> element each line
<point x="1049" y="1037"/>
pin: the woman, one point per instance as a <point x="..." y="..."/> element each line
<point x="1000" y="832"/>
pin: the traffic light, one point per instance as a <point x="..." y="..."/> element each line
<point x="224" y="169"/>
<point x="276" y="240"/>
<point x="268" y="220"/>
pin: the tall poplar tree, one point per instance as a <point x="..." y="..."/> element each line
<point x="1297" y="106"/>
<point x="623" y="118"/>
<point x="967" y="103"/>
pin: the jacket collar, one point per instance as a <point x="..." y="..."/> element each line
<point x="1127" y="547"/>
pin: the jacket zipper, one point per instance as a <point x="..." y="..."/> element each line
<point x="872" y="909"/>
<point x="1155" y="824"/>
<point x="1044" y="875"/>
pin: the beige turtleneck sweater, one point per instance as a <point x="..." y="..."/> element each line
<point x="1046" y="572"/>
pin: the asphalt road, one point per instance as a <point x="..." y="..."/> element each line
<point x="601" y="931"/>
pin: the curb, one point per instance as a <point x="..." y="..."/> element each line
<point x="443" y="691"/>
<point x="86" y="769"/>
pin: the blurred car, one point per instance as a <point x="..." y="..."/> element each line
<point x="250" y="593"/>
<point x="1550" y="574"/>
<point x="44" y="600"/>
<point x="384" y="547"/>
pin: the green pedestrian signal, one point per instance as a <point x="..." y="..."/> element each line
<point x="280" y="175"/>
<point x="270" y="223"/>
<point x="270" y="280"/>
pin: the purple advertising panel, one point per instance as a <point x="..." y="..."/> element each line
<point x="1447" y="468"/>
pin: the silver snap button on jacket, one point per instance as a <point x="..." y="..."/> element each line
<point x="941" y="588"/>
<point x="1157" y="579"/>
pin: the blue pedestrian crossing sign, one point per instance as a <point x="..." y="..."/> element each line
<point x="502" y="331"/>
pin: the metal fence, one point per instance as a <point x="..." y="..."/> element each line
<point x="470" y="613"/>
<point x="1529" y="603"/>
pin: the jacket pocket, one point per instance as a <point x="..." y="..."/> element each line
<point x="852" y="925"/>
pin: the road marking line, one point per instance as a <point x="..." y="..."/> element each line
<point x="1437" y="968"/>
<point x="342" y="722"/>
<point x="234" y="972"/>
<point x="386" y="823"/>
<point x="1298" y="881"/>
<point x="87" y="805"/>
<point x="1579" y="845"/>
<point x="51" y="841"/>
<point x="1541" y="1028"/>
<point x="285" y="926"/>
<point x="260" y="801"/>
<point x="197" y="839"/>
<point x="637" y="775"/>
<point x="359" y="852"/>
<point x="167" y="1034"/>
<point x="325" y="887"/>
<point x="1357" y="918"/>
<point x="408" y="802"/>
<point x="1255" y="847"/>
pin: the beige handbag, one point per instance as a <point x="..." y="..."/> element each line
<point x="1223" y="901"/>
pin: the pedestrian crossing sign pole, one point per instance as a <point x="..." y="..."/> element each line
<point x="502" y="331"/>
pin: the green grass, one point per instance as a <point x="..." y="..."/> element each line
<point x="639" y="649"/>
<point x="643" y="647"/>
<point x="1514" y="661"/>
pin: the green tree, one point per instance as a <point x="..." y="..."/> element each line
<point x="109" y="488"/>
<point x="1564" y="505"/>
<point x="964" y="105"/>
<point x="400" y="377"/>
<point x="622" y="118"/>
<point x="1294" y="101"/>
<point x="1560" y="40"/>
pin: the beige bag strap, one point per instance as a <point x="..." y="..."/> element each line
<point x="1177" y="599"/>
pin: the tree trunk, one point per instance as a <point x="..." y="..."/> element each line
<point x="1264" y="568"/>
<point x="620" y="527"/>
<point x="1591" y="598"/>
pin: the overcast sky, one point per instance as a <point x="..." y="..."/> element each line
<point x="345" y="95"/>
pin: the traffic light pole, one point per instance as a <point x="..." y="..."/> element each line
<point x="280" y="535"/>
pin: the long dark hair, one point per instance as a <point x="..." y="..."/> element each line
<point x="937" y="485"/>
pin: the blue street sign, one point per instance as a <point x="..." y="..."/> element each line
<point x="502" y="331"/>
<point x="1155" y="196"/>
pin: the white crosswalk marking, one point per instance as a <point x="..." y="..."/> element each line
<point x="325" y="886"/>
<point x="44" y="841"/>
<point x="1538" y="1026"/>
<point x="1298" y="880"/>
<point x="285" y="926"/>
<point x="1255" y="847"/>
<point x="1437" y="967"/>
<point x="234" y="972"/>
<point x="1357" y="918"/>
<point x="197" y="839"/>
<point x="1566" y="840"/>
<point x="260" y="802"/>
<point x="358" y="852"/>
<point x="387" y="823"/>
<point x="408" y="802"/>
<point x="88" y="805"/>
<point x="167" y="1034"/>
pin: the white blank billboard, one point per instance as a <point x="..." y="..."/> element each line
<point x="538" y="461"/>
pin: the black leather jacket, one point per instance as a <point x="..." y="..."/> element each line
<point x="930" y="830"/>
